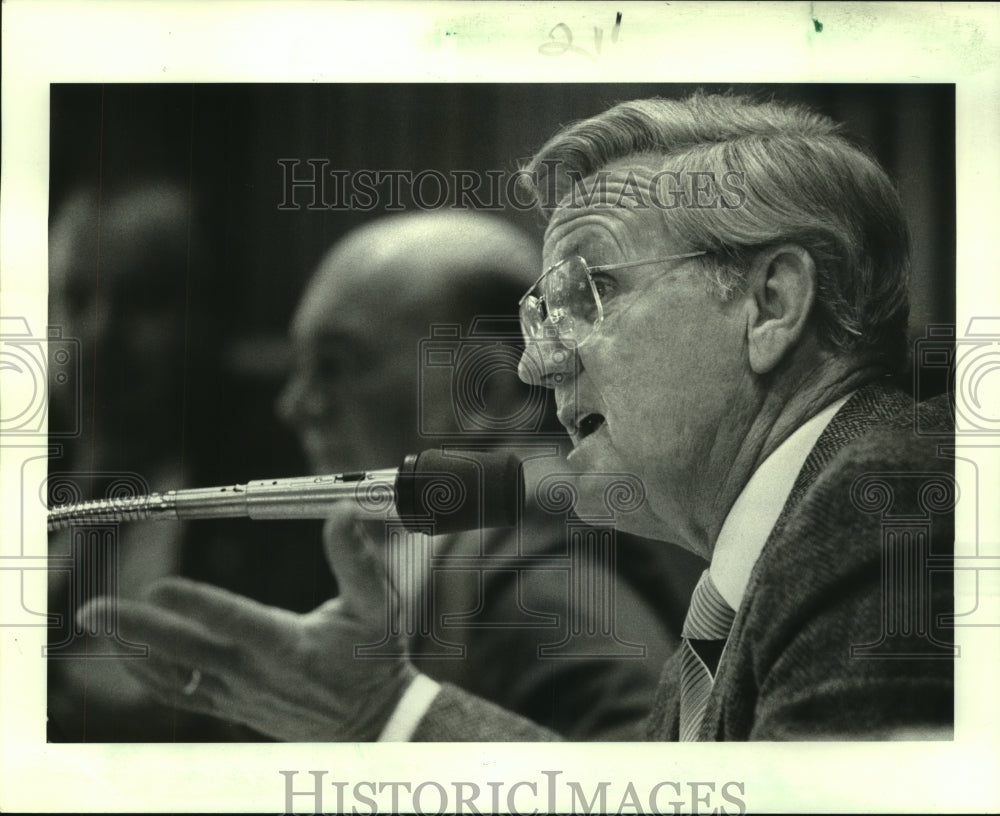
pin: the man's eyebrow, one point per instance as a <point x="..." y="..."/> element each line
<point x="571" y="250"/>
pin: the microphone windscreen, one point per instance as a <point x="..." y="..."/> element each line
<point x="453" y="491"/>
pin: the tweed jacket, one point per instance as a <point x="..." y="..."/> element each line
<point x="841" y="631"/>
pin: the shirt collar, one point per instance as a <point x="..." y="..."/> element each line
<point x="756" y="509"/>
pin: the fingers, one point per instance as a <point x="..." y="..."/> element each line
<point x="176" y="646"/>
<point x="358" y="560"/>
<point x="287" y="675"/>
<point x="189" y="687"/>
<point x="168" y="635"/>
<point x="205" y="646"/>
<point x="189" y="624"/>
<point x="228" y="614"/>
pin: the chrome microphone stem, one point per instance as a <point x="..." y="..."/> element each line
<point x="315" y="496"/>
<point x="305" y="497"/>
<point x="131" y="508"/>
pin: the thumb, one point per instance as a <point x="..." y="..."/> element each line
<point x="355" y="551"/>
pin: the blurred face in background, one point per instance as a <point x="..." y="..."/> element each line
<point x="355" y="395"/>
<point x="118" y="272"/>
<point x="352" y="395"/>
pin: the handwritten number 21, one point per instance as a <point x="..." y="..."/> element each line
<point x="559" y="45"/>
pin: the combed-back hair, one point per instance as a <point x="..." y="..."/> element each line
<point x="804" y="182"/>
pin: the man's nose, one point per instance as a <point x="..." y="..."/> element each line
<point x="298" y="401"/>
<point x="547" y="362"/>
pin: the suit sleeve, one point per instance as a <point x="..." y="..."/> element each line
<point x="457" y="716"/>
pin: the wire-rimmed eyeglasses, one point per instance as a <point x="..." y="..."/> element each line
<point x="566" y="298"/>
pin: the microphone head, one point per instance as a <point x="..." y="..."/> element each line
<point x="459" y="490"/>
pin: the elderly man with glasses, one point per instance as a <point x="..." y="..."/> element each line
<point x="723" y="308"/>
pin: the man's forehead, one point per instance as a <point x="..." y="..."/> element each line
<point x="579" y="227"/>
<point x="355" y="297"/>
<point x="609" y="206"/>
<point x="607" y="181"/>
<point x="340" y="295"/>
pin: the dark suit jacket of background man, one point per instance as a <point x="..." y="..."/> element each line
<point x="816" y="592"/>
<point x="501" y="610"/>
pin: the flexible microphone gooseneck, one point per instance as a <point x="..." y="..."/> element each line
<point x="443" y="491"/>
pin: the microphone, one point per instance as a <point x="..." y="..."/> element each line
<point x="433" y="491"/>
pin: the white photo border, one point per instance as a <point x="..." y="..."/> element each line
<point x="174" y="42"/>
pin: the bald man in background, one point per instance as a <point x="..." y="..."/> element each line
<point x="355" y="399"/>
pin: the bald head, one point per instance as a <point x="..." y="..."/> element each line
<point x="404" y="272"/>
<point x="355" y="397"/>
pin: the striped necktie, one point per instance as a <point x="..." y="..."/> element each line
<point x="706" y="628"/>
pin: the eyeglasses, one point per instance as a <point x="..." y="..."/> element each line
<point x="566" y="299"/>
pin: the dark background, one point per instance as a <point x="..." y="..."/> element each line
<point x="223" y="143"/>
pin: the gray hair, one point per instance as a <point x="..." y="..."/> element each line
<point x="804" y="183"/>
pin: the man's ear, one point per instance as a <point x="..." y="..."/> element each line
<point x="780" y="298"/>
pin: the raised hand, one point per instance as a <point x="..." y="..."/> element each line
<point x="291" y="676"/>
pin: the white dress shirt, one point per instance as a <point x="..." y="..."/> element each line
<point x="756" y="509"/>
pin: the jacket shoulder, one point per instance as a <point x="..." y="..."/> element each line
<point x="818" y="600"/>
